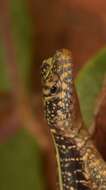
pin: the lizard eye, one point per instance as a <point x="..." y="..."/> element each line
<point x="53" y="89"/>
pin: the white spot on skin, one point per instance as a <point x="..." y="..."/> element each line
<point x="66" y="165"/>
<point x="71" y="147"/>
<point x="69" y="174"/>
<point x="68" y="179"/>
<point x="63" y="146"/>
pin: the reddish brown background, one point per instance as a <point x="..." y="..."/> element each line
<point x="79" y="25"/>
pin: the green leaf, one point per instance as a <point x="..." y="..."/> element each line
<point x="22" y="35"/>
<point x="89" y="83"/>
<point x="21" y="164"/>
<point x="21" y="30"/>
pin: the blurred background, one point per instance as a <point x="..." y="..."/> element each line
<point x="31" y="31"/>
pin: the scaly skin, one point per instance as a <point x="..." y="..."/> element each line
<point x="80" y="166"/>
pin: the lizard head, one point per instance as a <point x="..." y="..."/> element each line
<point x="56" y="75"/>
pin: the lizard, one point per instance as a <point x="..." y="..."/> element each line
<point x="79" y="164"/>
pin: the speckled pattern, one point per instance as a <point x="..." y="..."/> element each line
<point x="57" y="78"/>
<point x="56" y="74"/>
<point x="71" y="164"/>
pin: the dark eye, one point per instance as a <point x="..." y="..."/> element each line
<point x="53" y="89"/>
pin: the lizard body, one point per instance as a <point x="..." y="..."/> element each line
<point x="80" y="167"/>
